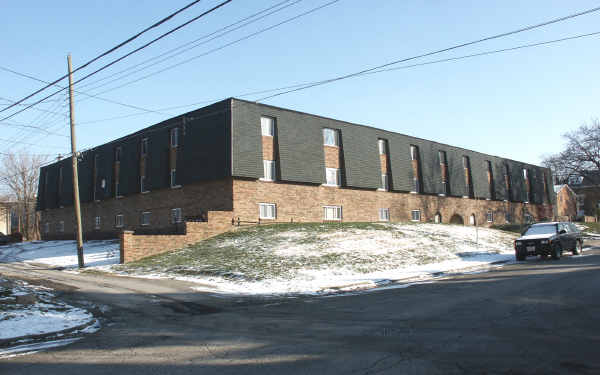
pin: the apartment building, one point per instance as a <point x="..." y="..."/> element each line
<point x="252" y="162"/>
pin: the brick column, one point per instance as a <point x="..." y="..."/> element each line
<point x="125" y="239"/>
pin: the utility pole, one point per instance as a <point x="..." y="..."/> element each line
<point x="75" y="176"/>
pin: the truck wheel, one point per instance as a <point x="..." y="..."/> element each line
<point x="556" y="251"/>
<point x="578" y="248"/>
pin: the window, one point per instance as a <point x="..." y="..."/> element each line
<point x="332" y="176"/>
<point x="269" y="170"/>
<point x="144" y="147"/>
<point x="267" y="126"/>
<point x="414" y="152"/>
<point x="384" y="182"/>
<point x="174" y="178"/>
<point x="381" y="143"/>
<point x="117" y="189"/>
<point x="416" y="185"/>
<point x="465" y="162"/>
<point x="472" y="219"/>
<point x="488" y="165"/>
<point x="176" y="215"/>
<point x="490" y="216"/>
<point x="97" y="222"/>
<point x="524" y="173"/>
<point x="330" y="137"/>
<point x="437" y="218"/>
<point x="61" y="226"/>
<point x="384" y="214"/>
<point x="332" y="212"/>
<point x="267" y="211"/>
<point x="174" y="137"/>
<point x="415" y="215"/>
<point x="145" y="218"/>
<point x="442" y="157"/>
<point x="119" y="221"/>
<point x="143" y="184"/>
<point x="47" y="228"/>
<point x="118" y="155"/>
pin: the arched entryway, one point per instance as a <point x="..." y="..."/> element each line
<point x="472" y="219"/>
<point x="437" y="218"/>
<point x="456" y="219"/>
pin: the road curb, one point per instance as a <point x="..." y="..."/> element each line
<point x="4" y="343"/>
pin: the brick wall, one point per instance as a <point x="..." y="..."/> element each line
<point x="305" y="203"/>
<point x="134" y="247"/>
<point x="194" y="200"/>
<point x="566" y="205"/>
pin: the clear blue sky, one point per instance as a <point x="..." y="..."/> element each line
<point x="516" y="104"/>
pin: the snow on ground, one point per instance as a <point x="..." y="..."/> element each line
<point x="46" y="315"/>
<point x="305" y="260"/>
<point x="62" y="253"/>
<point x="302" y="258"/>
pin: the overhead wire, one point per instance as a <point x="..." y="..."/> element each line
<point x="118" y="59"/>
<point x="128" y="40"/>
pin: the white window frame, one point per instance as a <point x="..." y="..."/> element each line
<point x="337" y="213"/>
<point x="176" y="215"/>
<point x="336" y="137"/>
<point x="267" y="126"/>
<point x="414" y="152"/>
<point x="381" y="145"/>
<point x="174" y="137"/>
<point x="61" y="226"/>
<point x="268" y="170"/>
<point x="267" y="211"/>
<point x="145" y="215"/>
<point x="385" y="183"/>
<point x="384" y="214"/>
<point x="144" y="147"/>
<point x="174" y="178"/>
<point x="97" y="222"/>
<point x="143" y="184"/>
<point x="119" y="221"/>
<point x="490" y="216"/>
<point x="328" y="172"/>
<point x="417" y="217"/>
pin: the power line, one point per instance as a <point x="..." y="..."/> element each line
<point x="220" y="47"/>
<point x="119" y="59"/>
<point x="109" y="51"/>
<point x="374" y="72"/>
<point x="346" y="76"/>
<point x="195" y="41"/>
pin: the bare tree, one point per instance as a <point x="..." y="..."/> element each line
<point x="581" y="155"/>
<point x="19" y="178"/>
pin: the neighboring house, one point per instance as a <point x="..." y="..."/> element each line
<point x="241" y="161"/>
<point x="587" y="190"/>
<point x="566" y="202"/>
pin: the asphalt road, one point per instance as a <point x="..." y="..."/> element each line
<point x="533" y="317"/>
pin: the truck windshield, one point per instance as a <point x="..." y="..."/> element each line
<point x="541" y="229"/>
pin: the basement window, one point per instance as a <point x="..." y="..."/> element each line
<point x="145" y="218"/>
<point x="332" y="213"/>
<point x="176" y="216"/>
<point x="267" y="211"/>
<point x="415" y="215"/>
<point x="119" y="220"/>
<point x="384" y="214"/>
<point x="490" y="216"/>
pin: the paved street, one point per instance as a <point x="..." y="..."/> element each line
<point x="535" y="317"/>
